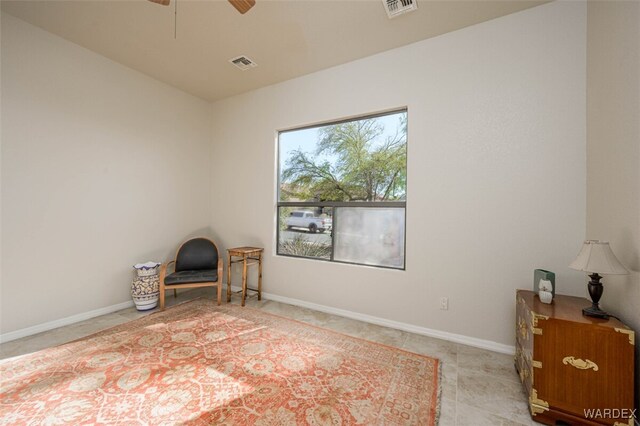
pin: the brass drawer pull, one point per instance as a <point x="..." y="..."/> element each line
<point x="580" y="364"/>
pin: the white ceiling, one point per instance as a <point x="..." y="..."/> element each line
<point x="286" y="38"/>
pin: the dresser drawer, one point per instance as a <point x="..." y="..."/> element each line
<point x="585" y="368"/>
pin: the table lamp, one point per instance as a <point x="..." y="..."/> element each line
<point x="596" y="258"/>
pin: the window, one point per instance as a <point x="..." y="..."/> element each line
<point x="342" y="191"/>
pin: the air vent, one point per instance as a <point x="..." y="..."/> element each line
<point x="243" y="63"/>
<point x="396" y="8"/>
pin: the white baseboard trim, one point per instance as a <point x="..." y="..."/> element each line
<point x="46" y="326"/>
<point x="452" y="337"/>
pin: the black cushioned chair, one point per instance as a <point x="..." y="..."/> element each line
<point x="197" y="264"/>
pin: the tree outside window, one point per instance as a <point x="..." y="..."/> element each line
<point x="342" y="191"/>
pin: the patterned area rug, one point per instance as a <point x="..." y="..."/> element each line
<point x="197" y="363"/>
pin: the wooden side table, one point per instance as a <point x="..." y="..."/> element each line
<point x="248" y="256"/>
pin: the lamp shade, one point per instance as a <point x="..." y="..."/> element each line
<point x="597" y="257"/>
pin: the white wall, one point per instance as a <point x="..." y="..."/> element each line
<point x="613" y="150"/>
<point x="102" y="167"/>
<point x="496" y="170"/>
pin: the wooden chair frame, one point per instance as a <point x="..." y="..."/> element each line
<point x="163" y="273"/>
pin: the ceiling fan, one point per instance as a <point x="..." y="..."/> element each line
<point x="241" y="6"/>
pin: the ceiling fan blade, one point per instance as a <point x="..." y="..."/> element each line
<point x="162" y="2"/>
<point x="242" y="6"/>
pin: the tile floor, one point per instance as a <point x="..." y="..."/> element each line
<point x="479" y="387"/>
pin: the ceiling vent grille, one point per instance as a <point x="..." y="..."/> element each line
<point x="396" y="8"/>
<point x="243" y="63"/>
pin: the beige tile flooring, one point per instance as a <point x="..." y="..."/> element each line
<point x="479" y="387"/>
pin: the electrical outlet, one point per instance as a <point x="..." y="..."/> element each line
<point x="444" y="303"/>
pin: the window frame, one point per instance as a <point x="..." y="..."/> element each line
<point x="337" y="204"/>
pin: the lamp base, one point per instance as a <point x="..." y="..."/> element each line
<point x="595" y="291"/>
<point x="595" y="311"/>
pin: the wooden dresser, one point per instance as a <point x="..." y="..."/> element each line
<point x="569" y="363"/>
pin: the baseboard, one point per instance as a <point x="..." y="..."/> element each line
<point x="452" y="337"/>
<point x="424" y="331"/>
<point x="24" y="332"/>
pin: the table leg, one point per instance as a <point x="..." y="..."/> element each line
<point x="244" y="278"/>
<point x="260" y="276"/>
<point x="228" y="278"/>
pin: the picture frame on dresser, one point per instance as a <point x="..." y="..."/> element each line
<point x="544" y="275"/>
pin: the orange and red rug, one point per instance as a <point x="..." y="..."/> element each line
<point x="197" y="363"/>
